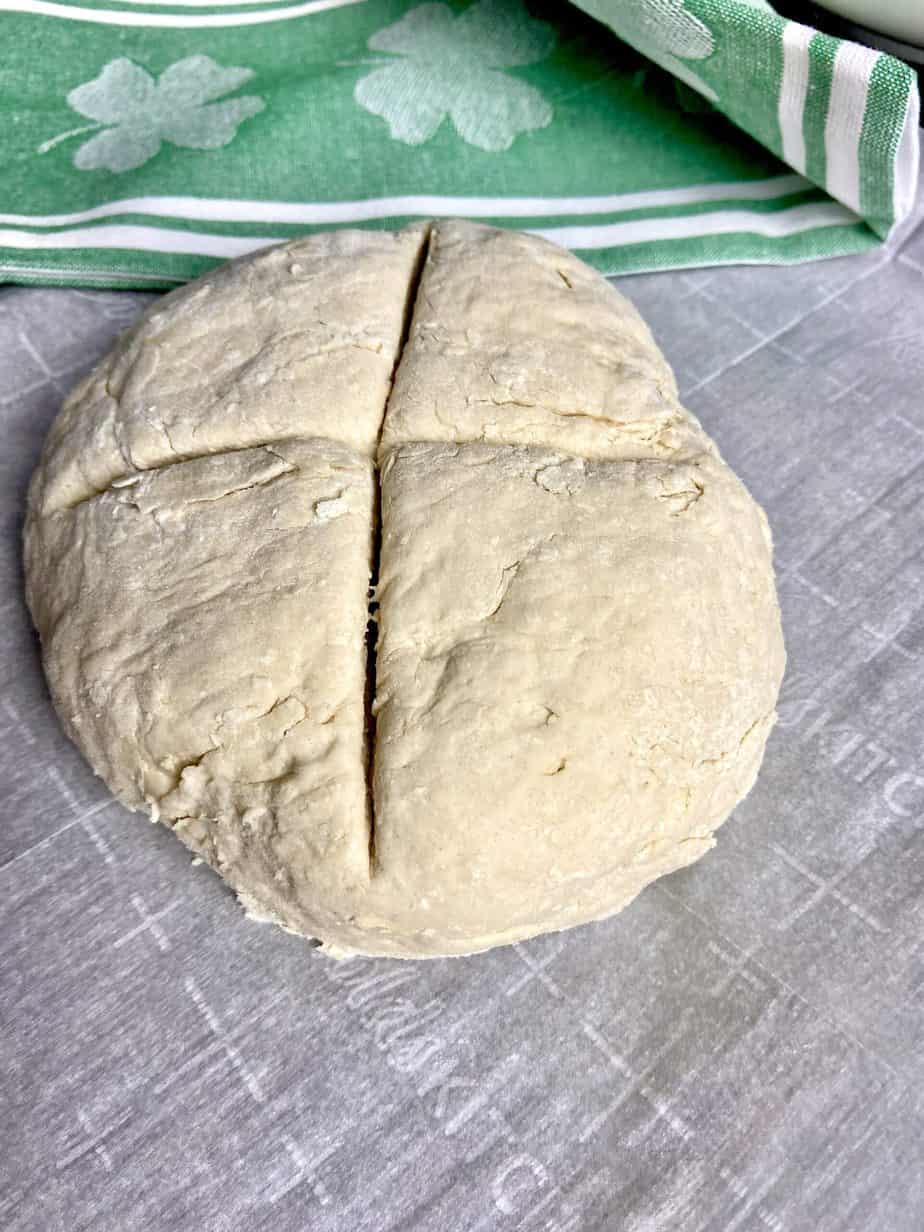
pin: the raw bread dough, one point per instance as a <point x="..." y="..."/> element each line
<point x="203" y="632"/>
<point x="297" y="341"/>
<point x="572" y="671"/>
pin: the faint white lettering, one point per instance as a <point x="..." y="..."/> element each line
<point x="520" y="1175"/>
<point x="900" y="785"/>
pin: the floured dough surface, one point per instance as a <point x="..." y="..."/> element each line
<point x="298" y="340"/>
<point x="591" y="644"/>
<point x="204" y="643"/>
<point x="516" y="341"/>
<point x="567" y="672"/>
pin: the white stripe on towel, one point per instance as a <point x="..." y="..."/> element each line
<point x="776" y="224"/>
<point x="853" y="67"/>
<point x="793" y="91"/>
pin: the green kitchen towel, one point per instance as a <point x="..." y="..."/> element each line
<point x="145" y="140"/>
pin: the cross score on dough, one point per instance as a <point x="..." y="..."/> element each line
<point x="575" y="653"/>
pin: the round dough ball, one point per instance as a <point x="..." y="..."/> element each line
<point x="387" y="570"/>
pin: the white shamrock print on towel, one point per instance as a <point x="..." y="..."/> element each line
<point x="136" y="113"/>
<point x="455" y="66"/>
<point x="668" y="32"/>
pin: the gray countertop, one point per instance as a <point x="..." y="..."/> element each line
<point x="741" y="1050"/>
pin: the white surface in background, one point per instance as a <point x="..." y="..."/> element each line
<point x="903" y="19"/>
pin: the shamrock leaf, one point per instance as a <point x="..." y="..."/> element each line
<point x="139" y="113"/>
<point x="454" y="66"/>
<point x="664" y="30"/>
